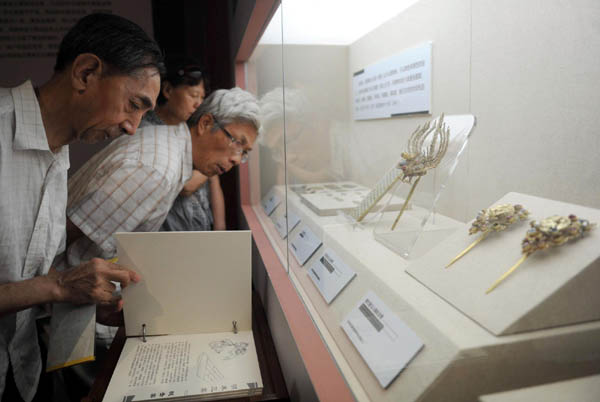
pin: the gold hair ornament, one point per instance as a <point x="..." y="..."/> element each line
<point x="420" y="158"/>
<point x="553" y="231"/>
<point x="493" y="219"/>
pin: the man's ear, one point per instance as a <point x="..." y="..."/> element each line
<point x="166" y="90"/>
<point x="205" y="124"/>
<point x="86" y="68"/>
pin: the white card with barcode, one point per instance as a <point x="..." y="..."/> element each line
<point x="383" y="340"/>
<point x="270" y="202"/>
<point x="330" y="275"/>
<point x="304" y="244"/>
<point x="283" y="227"/>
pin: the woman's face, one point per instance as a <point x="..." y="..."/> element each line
<point x="183" y="100"/>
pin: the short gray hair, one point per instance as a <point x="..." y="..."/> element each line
<point x="229" y="106"/>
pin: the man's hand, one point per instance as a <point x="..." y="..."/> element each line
<point x="90" y="282"/>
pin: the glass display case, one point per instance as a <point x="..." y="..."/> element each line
<point x="364" y="223"/>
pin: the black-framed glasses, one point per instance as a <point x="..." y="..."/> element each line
<point x="234" y="143"/>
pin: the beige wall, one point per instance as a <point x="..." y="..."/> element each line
<point x="528" y="71"/>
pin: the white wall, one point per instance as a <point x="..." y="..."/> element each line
<point x="530" y="73"/>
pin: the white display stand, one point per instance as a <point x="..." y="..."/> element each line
<point x="585" y="389"/>
<point x="421" y="223"/>
<point x="329" y="199"/>
<point x="457" y="349"/>
<point x="554" y="287"/>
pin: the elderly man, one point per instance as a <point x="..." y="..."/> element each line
<point x="106" y="77"/>
<point x="131" y="184"/>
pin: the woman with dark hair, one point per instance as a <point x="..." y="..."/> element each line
<point x="201" y="205"/>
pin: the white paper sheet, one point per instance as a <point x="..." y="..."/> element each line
<point x="185" y="365"/>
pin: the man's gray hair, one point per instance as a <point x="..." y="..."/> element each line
<point x="229" y="106"/>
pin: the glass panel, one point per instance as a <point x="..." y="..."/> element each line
<point x="350" y="106"/>
<point x="264" y="72"/>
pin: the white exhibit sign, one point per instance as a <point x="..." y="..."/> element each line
<point x="304" y="245"/>
<point x="330" y="275"/>
<point x="270" y="202"/>
<point x="383" y="340"/>
<point x="285" y="225"/>
<point x="397" y="85"/>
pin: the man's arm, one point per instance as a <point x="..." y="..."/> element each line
<point x="89" y="282"/>
<point x="217" y="203"/>
<point x="194" y="183"/>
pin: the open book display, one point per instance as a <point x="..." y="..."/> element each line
<point x="189" y="321"/>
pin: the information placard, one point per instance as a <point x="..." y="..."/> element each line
<point x="304" y="244"/>
<point x="330" y="275"/>
<point x="397" y="85"/>
<point x="286" y="223"/>
<point x="383" y="340"/>
<point x="270" y="202"/>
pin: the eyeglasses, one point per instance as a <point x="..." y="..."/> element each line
<point x="234" y="143"/>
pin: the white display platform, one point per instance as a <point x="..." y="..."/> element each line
<point x="328" y="199"/>
<point x="457" y="350"/>
<point x="585" y="389"/>
<point x="554" y="287"/>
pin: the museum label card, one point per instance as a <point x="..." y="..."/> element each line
<point x="284" y="229"/>
<point x="270" y="202"/>
<point x="304" y="244"/>
<point x="330" y="275"/>
<point x="383" y="340"/>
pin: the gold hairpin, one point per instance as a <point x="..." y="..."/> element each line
<point x="553" y="231"/>
<point x="419" y="158"/>
<point x="493" y="219"/>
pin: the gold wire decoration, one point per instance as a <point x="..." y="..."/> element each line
<point x="553" y="231"/>
<point x="420" y="158"/>
<point x="493" y="219"/>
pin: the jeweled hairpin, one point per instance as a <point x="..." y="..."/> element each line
<point x="493" y="219"/>
<point x="419" y="158"/>
<point x="551" y="232"/>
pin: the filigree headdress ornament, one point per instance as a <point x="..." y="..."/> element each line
<point x="553" y="231"/>
<point x="420" y="158"/>
<point x="493" y="219"/>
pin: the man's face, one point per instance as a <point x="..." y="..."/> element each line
<point x="214" y="153"/>
<point x="115" y="104"/>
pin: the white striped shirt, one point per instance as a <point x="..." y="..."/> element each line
<point x="33" y="198"/>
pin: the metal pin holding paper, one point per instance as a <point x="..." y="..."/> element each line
<point x="493" y="219"/>
<point x="553" y="231"/>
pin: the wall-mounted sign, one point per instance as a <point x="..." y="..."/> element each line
<point x="400" y="84"/>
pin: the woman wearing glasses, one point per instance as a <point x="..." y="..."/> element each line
<point x="201" y="205"/>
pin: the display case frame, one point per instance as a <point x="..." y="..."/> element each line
<point x="455" y="345"/>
